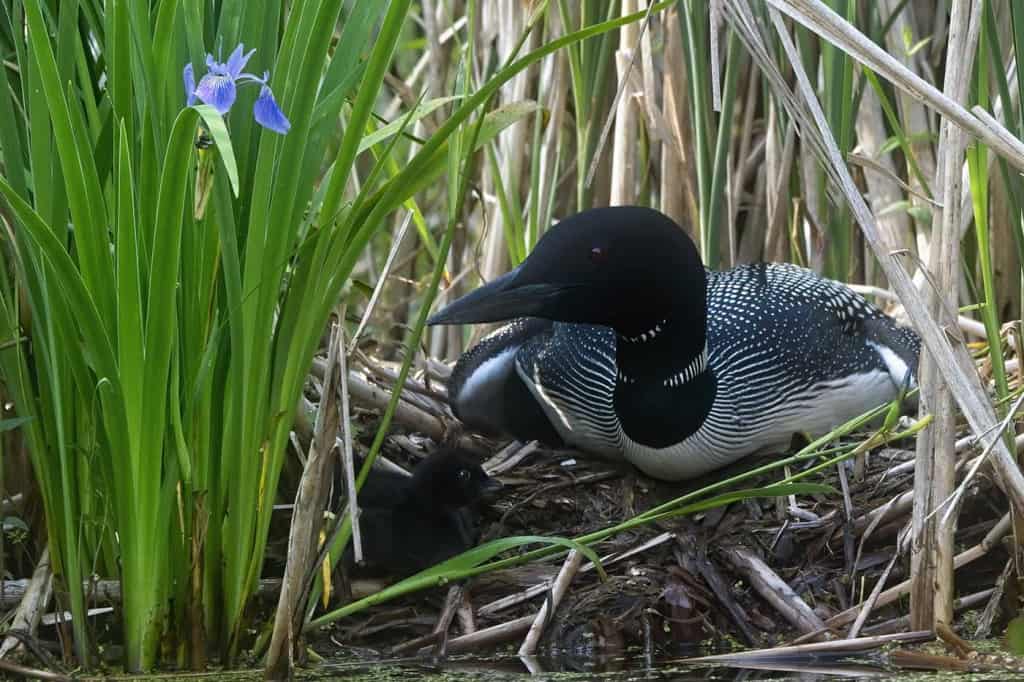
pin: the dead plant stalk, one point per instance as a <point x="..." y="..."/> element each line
<point x="307" y="520"/>
<point x="931" y="598"/>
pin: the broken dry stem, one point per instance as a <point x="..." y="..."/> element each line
<point x="307" y="519"/>
<point x="569" y="569"/>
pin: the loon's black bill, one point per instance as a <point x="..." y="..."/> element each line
<point x="499" y="300"/>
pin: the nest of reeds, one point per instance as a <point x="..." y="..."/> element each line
<point x="759" y="572"/>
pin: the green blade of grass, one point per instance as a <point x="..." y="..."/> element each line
<point x="87" y="209"/>
<point x="456" y="568"/>
<point x="219" y="132"/>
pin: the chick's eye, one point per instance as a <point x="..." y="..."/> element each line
<point x="463" y="475"/>
<point x="598" y="255"/>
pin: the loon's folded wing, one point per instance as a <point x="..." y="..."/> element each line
<point x="486" y="392"/>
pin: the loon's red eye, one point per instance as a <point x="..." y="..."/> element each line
<point x="598" y="255"/>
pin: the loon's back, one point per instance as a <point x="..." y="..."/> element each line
<point x="790" y="351"/>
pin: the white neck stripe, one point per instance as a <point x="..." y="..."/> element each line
<point x="696" y="367"/>
<point x="647" y="335"/>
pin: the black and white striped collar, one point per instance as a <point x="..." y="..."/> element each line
<point x="696" y="367"/>
<point x="648" y="335"/>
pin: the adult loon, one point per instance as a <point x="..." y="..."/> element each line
<point x="623" y="344"/>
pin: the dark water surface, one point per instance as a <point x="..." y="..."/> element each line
<point x="470" y="667"/>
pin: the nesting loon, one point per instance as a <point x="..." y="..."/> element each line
<point x="623" y="344"/>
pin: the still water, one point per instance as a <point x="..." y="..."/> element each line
<point x="458" y="668"/>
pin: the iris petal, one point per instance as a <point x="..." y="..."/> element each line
<point x="217" y="91"/>
<point x="268" y="114"/>
<point x="237" y="61"/>
<point x="190" y="85"/>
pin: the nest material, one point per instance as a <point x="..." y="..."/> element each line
<point x="686" y="590"/>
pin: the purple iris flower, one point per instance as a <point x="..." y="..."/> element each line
<point x="218" y="88"/>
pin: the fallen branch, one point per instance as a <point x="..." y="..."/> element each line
<point x="839" y="646"/>
<point x="774" y="589"/>
<point x="903" y="622"/>
<point x="369" y="395"/>
<point x="496" y="634"/>
<point x="33" y="604"/>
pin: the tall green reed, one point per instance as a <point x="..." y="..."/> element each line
<point x="989" y="75"/>
<point x="175" y="294"/>
<point x="160" y="370"/>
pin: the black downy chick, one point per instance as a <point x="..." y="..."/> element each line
<point x="409" y="523"/>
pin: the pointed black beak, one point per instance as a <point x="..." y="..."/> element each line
<point x="499" y="300"/>
<point x="491" y="486"/>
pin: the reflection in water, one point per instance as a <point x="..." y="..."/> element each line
<point x="635" y="667"/>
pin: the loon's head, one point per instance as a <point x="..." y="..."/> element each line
<point x="625" y="267"/>
<point x="449" y="479"/>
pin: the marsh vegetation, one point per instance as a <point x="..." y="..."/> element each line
<point x="218" y="265"/>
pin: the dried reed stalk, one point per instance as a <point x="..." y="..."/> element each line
<point x="913" y="113"/>
<point x="896" y="591"/>
<point x="883" y="188"/>
<point x="307" y="520"/>
<point x="931" y="561"/>
<point x="513" y="140"/>
<point x="842" y="646"/>
<point x="624" y="149"/>
<point x="348" y="464"/>
<point x="676" y="194"/>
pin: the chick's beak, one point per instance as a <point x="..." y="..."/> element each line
<point x="490" y="487"/>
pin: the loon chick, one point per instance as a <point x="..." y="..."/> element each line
<point x="409" y="523"/>
<point x="643" y="353"/>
